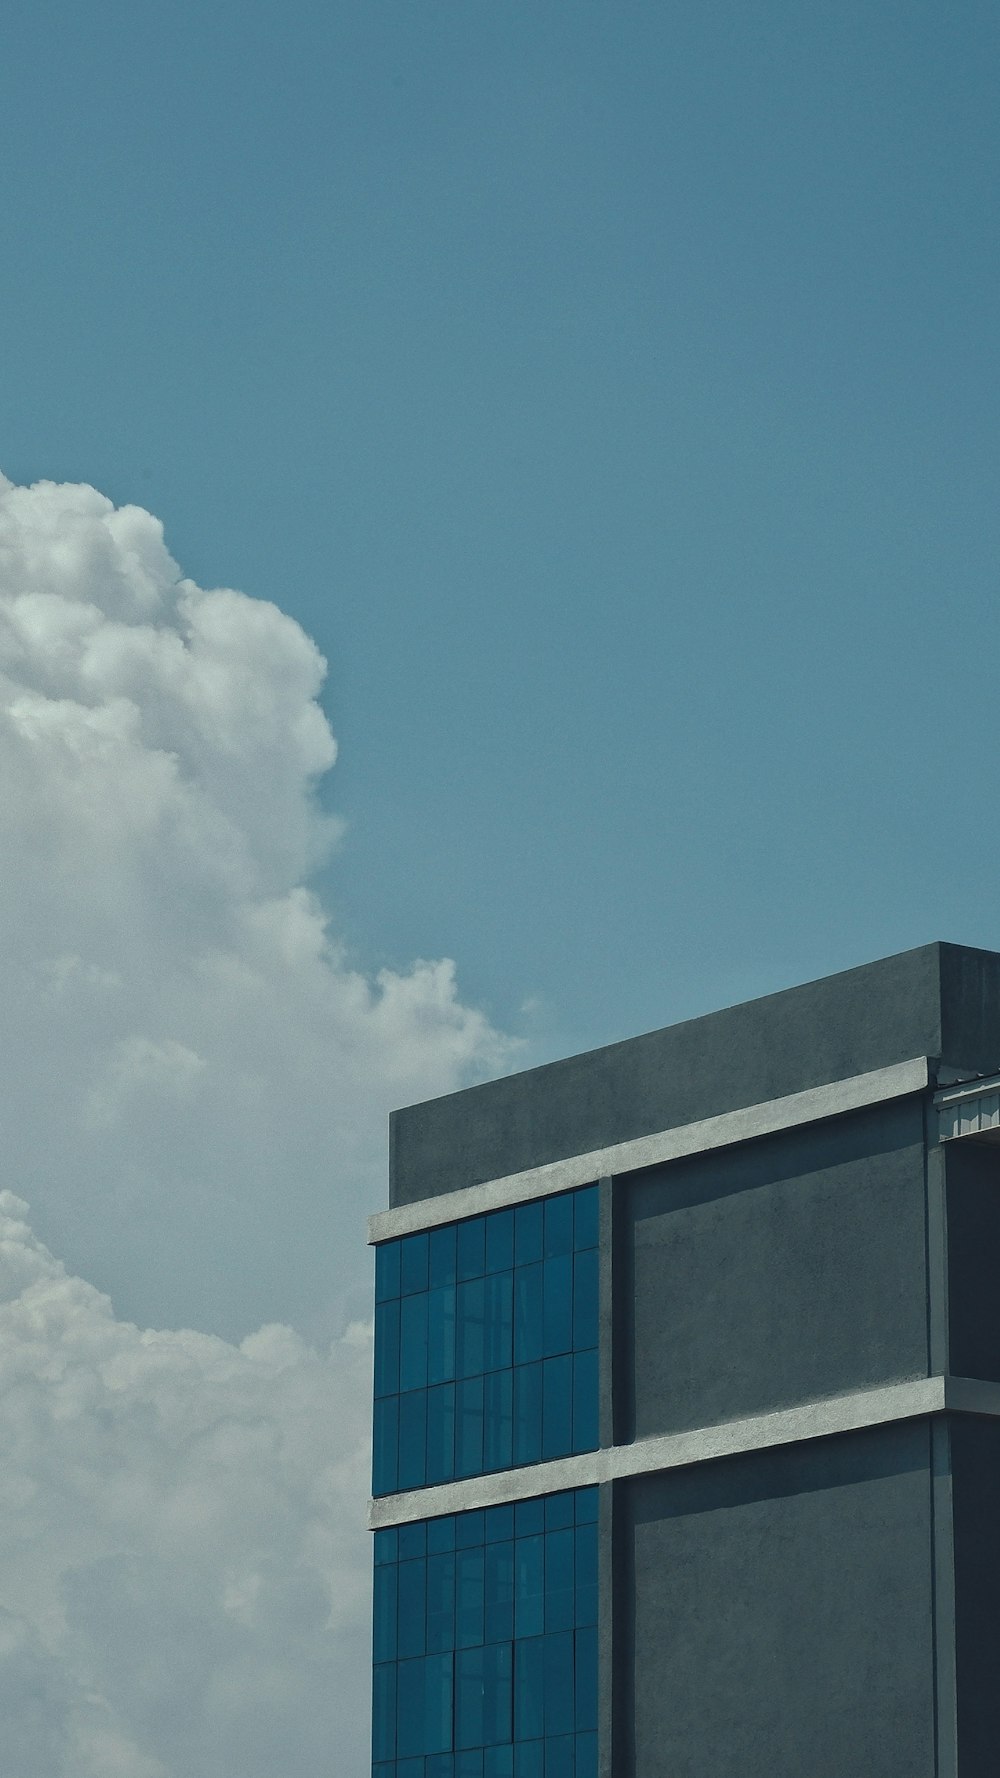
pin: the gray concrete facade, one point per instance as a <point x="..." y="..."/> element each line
<point x="800" y="1366"/>
<point x="938" y="1001"/>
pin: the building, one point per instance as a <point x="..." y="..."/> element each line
<point x="687" y="1420"/>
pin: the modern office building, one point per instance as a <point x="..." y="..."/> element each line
<point x="687" y="1417"/>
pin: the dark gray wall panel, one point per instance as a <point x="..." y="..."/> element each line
<point x="764" y="1275"/>
<point x="782" y="1624"/>
<point x="975" y="1447"/>
<point x="972" y="1175"/>
<point x="937" y="1000"/>
<point x="970" y="1008"/>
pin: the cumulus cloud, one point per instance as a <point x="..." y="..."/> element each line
<point x="196" y="1086"/>
<point x="181" y="1553"/>
<point x="197" y="1079"/>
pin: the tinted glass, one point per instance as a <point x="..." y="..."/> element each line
<point x="468" y="1321"/>
<point x="486" y="1653"/>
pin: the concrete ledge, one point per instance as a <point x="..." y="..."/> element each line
<point x="814" y="1419"/>
<point x="730" y="1127"/>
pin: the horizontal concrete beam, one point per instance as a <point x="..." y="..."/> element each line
<point x="751" y="1121"/>
<point x="760" y="1432"/>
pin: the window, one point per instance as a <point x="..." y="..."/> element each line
<point x="485" y="1643"/>
<point x="486" y="1343"/>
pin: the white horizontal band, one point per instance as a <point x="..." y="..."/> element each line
<point x="708" y="1133"/>
<point x="673" y="1450"/>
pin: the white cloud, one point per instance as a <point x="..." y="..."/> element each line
<point x="182" y="1555"/>
<point x="196" y="1087"/>
<point x="197" y="1080"/>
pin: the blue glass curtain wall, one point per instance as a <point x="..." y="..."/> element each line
<point x="486" y="1343"/>
<point x="485" y="1643"/>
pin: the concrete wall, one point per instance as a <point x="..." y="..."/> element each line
<point x="975" y="1454"/>
<point x="782" y="1618"/>
<point x="760" y="1276"/>
<point x="937" y="1000"/>
<point x="972" y="1185"/>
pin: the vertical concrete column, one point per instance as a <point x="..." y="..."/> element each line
<point x="607" y="1565"/>
<point x="606" y="1318"/>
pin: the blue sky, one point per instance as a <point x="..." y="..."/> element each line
<point x="611" y="392"/>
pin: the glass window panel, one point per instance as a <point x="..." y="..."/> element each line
<point x="529" y="1691"/>
<point x="558" y="1511"/>
<point x="471" y="1328"/>
<point x="385" y="1546"/>
<point x="586" y="1574"/>
<point x="558" y="1225"/>
<point x="586" y="1500"/>
<point x="560" y="1757"/>
<point x="384" y="1626"/>
<point x="470" y="1529"/>
<point x="542" y="1687"/>
<point x="527" y="1234"/>
<point x="441" y="1310"/>
<point x="441" y="1534"/>
<point x="499" y="1240"/>
<point x="558" y="1662"/>
<point x="527" y="1314"/>
<point x="440" y="1602"/>
<point x="385" y="1446"/>
<point x="438" y="1703"/>
<point x="498" y="1693"/>
<point x="586" y="1435"/>
<point x="559" y="1574"/>
<point x="527" y="1413"/>
<point x="499" y="1524"/>
<point x="586" y="1214"/>
<point x="586" y="1679"/>
<point x="470" y="1589"/>
<point x="586" y="1268"/>
<point x="409" y="1707"/>
<point x="413" y="1439"/>
<point x="384" y="1712"/>
<point x="472" y="1247"/>
<point x="413" y="1342"/>
<point x="441" y="1257"/>
<point x="529" y="1518"/>
<point x="557" y="1299"/>
<point x="441" y="1433"/>
<point x="412" y="1608"/>
<point x="557" y="1407"/>
<point x="469" y="1426"/>
<point x="469" y="1697"/>
<point x="586" y="1756"/>
<point x="498" y="1420"/>
<point x="387" y="1348"/>
<point x="412" y="1540"/>
<point x="529" y="1586"/>
<point x="386" y="1271"/>
<point x="442" y="1765"/>
<point x="384" y="1771"/>
<point x="498" y="1624"/>
<point x="499" y="1322"/>
<point x="413" y="1263"/>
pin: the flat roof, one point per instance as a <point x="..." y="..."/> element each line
<point x="940" y="1000"/>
